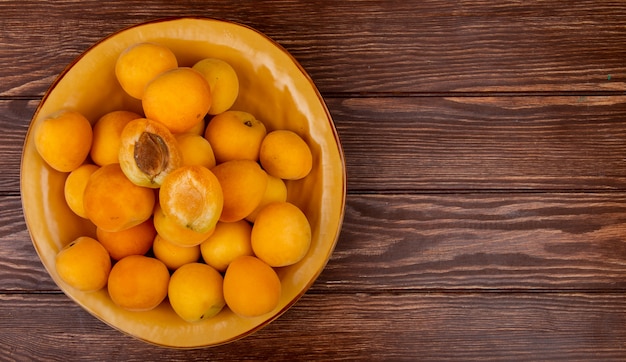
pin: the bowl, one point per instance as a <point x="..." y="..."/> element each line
<point x="274" y="87"/>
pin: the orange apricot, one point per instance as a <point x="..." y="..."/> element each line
<point x="243" y="186"/>
<point x="178" y="98"/>
<point x="173" y="255"/>
<point x="138" y="64"/>
<point x="195" y="150"/>
<point x="251" y="287"/>
<point x="114" y="203"/>
<point x="107" y="134"/>
<point x="84" y="264"/>
<point x="176" y="233"/>
<point x="229" y="241"/>
<point x="136" y="240"/>
<point x="63" y="140"/>
<point x="235" y="135"/>
<point x="138" y="283"/>
<point x="286" y="155"/>
<point x="74" y="188"/>
<point x="223" y="82"/>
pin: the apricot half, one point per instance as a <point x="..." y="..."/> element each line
<point x="148" y="152"/>
<point x="192" y="196"/>
<point x="113" y="203"/>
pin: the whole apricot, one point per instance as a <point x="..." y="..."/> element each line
<point x="74" y="188"/>
<point x="243" y="185"/>
<point x="113" y="203"/>
<point x="178" y="98"/>
<point x="138" y="283"/>
<point x="63" y="140"/>
<point x="223" y="82"/>
<point x="192" y="196"/>
<point x="196" y="292"/>
<point x="195" y="150"/>
<point x="107" y="133"/>
<point x="281" y="234"/>
<point x="136" y="240"/>
<point x="229" y="241"/>
<point x="235" y="135"/>
<point x="84" y="264"/>
<point x="251" y="287"/>
<point x="138" y="64"/>
<point x="276" y="191"/>
<point x="286" y="155"/>
<point x="172" y="255"/>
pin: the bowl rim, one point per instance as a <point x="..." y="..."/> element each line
<point x="339" y="148"/>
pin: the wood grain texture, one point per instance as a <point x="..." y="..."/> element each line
<point x="358" y="46"/>
<point x="424" y="326"/>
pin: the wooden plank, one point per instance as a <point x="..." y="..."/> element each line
<point x="361" y="326"/>
<point x="360" y="46"/>
<point x="431" y="144"/>
<point x="407" y="243"/>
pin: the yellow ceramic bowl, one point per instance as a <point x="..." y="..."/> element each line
<point x="274" y="87"/>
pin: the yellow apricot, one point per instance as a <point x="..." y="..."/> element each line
<point x="229" y="241"/>
<point x="195" y="292"/>
<point x="74" y="188"/>
<point x="192" y="196"/>
<point x="223" y="82"/>
<point x="138" y="283"/>
<point x="235" y="135"/>
<point x="84" y="264"/>
<point x="113" y="203"/>
<point x="251" y="287"/>
<point x="286" y="155"/>
<point x="107" y="134"/>
<point x="136" y="240"/>
<point x="63" y="140"/>
<point x="195" y="150"/>
<point x="172" y="255"/>
<point x="243" y="185"/>
<point x="281" y="234"/>
<point x="178" y="98"/>
<point x="138" y="64"/>
<point x="275" y="191"/>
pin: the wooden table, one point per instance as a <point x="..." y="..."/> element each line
<point x="485" y="146"/>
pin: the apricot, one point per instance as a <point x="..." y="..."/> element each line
<point x="138" y="283"/>
<point x="138" y="64"/>
<point x="74" y="188"/>
<point x="281" y="234"/>
<point x="178" y="98"/>
<point x="195" y="150"/>
<point x="84" y="264"/>
<point x="174" y="232"/>
<point x="172" y="255"/>
<point x="235" y="135"/>
<point x="251" y="287"/>
<point x="192" y="196"/>
<point x="286" y="155"/>
<point x="275" y="191"/>
<point x="63" y="140"/>
<point x="223" y="82"/>
<point x="229" y="241"/>
<point x="148" y="152"/>
<point x="136" y="240"/>
<point x="113" y="203"/>
<point x="107" y="132"/>
<point x="195" y="292"/>
<point x="243" y="185"/>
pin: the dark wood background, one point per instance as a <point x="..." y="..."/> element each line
<point x="485" y="146"/>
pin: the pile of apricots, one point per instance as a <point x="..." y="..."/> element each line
<point x="189" y="198"/>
